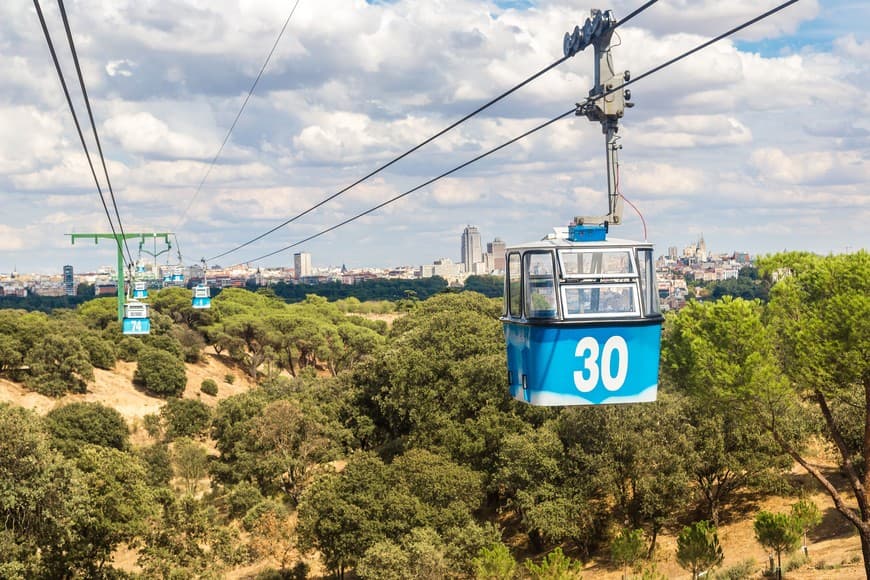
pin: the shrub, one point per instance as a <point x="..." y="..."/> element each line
<point x="153" y="425"/>
<point x="209" y="387"/>
<point x="158" y="464"/>
<point x="739" y="571"/>
<point x="795" y="562"/>
<point x="165" y="343"/>
<point x="59" y="363"/>
<point x="185" y="417"/>
<point x="191" y="343"/>
<point x="128" y="348"/>
<point x="101" y="352"/>
<point x="160" y="372"/>
<point x="256" y="512"/>
<point x="242" y="498"/>
<point x="555" y="565"/>
<point x="229" y="378"/>
<point x="76" y="424"/>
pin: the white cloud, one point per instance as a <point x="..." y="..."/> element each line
<point x="690" y="131"/>
<point x="661" y="179"/>
<point x="120" y="68"/>
<point x="146" y="134"/>
<point x="28" y="138"/>
<point x="773" y="164"/>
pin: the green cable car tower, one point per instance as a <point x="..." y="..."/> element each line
<point x="119" y="242"/>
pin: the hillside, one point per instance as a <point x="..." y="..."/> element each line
<point x="115" y="389"/>
<point x="834" y="547"/>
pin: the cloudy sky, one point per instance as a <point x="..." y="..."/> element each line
<point x="760" y="142"/>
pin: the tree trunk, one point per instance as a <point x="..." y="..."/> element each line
<point x="865" y="550"/>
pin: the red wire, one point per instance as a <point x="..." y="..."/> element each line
<point x="634" y="207"/>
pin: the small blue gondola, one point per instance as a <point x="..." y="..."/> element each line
<point x="201" y="296"/>
<point x="136" y="319"/>
<point x="140" y="289"/>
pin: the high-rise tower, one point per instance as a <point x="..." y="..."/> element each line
<point x="302" y="265"/>
<point x="471" y="248"/>
<point x="69" y="286"/>
<point x="496" y="249"/>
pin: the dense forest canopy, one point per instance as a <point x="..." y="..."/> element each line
<point x="394" y="451"/>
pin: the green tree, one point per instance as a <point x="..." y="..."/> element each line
<point x="190" y="462"/>
<point x="76" y="424"/>
<point x="343" y="515"/>
<point x="807" y="516"/>
<point x="820" y="312"/>
<point x="99" y="313"/>
<point x="118" y="507"/>
<point x="627" y="548"/>
<point x="698" y="548"/>
<point x="555" y="566"/>
<point x="729" y="453"/>
<point x="495" y="563"/>
<point x="188" y="541"/>
<point x="41" y="493"/>
<point x="101" y="352"/>
<point x="185" y="417"/>
<point x="160" y="372"/>
<point x="59" y="363"/>
<point x="10" y="354"/>
<point x="777" y="532"/>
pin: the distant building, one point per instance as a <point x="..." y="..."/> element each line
<point x="302" y="265"/>
<point x="471" y="252"/>
<point x="495" y="254"/>
<point x="444" y="268"/>
<point x="69" y="284"/>
<point x="106" y="289"/>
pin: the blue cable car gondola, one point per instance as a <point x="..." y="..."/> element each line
<point x="136" y="319"/>
<point x="581" y="316"/>
<point x="201" y="296"/>
<point x="140" y="289"/>
<point x="201" y="292"/>
<point x="582" y="321"/>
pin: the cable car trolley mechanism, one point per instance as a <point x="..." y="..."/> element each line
<point x="581" y="316"/>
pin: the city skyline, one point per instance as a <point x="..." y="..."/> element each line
<point x="723" y="143"/>
<point x="692" y="247"/>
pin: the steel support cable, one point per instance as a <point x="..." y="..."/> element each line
<point x="75" y="56"/>
<point x="236" y="120"/>
<point x="422" y="185"/>
<point x="635" y="13"/>
<point x="73" y="111"/>
<point x="424" y="143"/>
<point x="577" y="108"/>
<point x="394" y="160"/>
<point x="701" y="46"/>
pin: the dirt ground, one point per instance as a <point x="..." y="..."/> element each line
<point x="115" y="389"/>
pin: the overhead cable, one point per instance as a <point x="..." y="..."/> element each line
<point x="75" y="56"/>
<point x="515" y="139"/>
<point x="73" y="111"/>
<point x="238" y="115"/>
<point x="420" y="145"/>
<point x="422" y="185"/>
